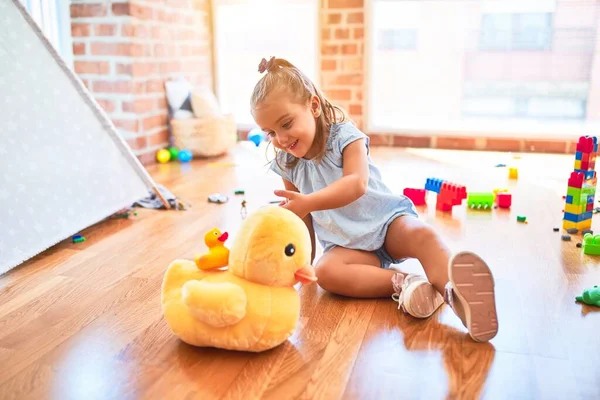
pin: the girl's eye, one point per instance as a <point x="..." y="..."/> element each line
<point x="287" y="124"/>
<point x="271" y="134"/>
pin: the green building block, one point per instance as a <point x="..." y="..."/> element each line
<point x="590" y="296"/>
<point x="591" y="244"/>
<point x="480" y="200"/>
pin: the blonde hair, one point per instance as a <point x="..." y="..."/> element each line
<point x="283" y="74"/>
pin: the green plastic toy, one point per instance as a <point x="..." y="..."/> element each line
<point x="590" y="296"/>
<point x="481" y="200"/>
<point x="174" y="151"/>
<point x="591" y="244"/>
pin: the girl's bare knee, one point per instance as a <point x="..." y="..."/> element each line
<point x="327" y="273"/>
<point x="424" y="235"/>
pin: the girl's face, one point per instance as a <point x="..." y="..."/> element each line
<point x="290" y="125"/>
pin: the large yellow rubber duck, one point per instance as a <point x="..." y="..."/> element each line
<point x="217" y="255"/>
<point x="253" y="305"/>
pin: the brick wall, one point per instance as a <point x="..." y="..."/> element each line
<point x="342" y="55"/>
<point x="125" y="50"/>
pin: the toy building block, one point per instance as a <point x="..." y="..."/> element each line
<point x="591" y="244"/>
<point x="513" y="173"/>
<point x="499" y="190"/>
<point x="585" y="156"/>
<point x="590" y="296"/>
<point x="78" y="239"/>
<point x="481" y="200"/>
<point x="434" y="184"/>
<point x="581" y="186"/>
<point x="450" y="195"/>
<point x="417" y="196"/>
<point x="504" y="200"/>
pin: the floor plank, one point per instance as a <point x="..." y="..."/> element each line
<point x="84" y="320"/>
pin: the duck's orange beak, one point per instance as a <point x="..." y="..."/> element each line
<point x="306" y="275"/>
<point x="223" y="237"/>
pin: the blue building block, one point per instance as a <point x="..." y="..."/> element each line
<point x="577" y="218"/>
<point x="434" y="184"/>
<point x="569" y="199"/>
<point x="586" y="173"/>
<point x="578" y="155"/>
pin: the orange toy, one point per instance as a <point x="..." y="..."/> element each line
<point x="218" y="254"/>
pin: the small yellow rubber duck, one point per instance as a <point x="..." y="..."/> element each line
<point x="253" y="305"/>
<point x="218" y="254"/>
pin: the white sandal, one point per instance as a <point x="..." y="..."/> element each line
<point x="415" y="295"/>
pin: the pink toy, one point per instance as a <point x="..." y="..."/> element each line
<point x="504" y="200"/>
<point x="416" y="195"/>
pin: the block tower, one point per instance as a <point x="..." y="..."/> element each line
<point x="581" y="189"/>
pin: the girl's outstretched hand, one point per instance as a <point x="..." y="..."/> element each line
<point x="297" y="203"/>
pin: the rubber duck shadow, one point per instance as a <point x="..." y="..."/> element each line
<point x="205" y="366"/>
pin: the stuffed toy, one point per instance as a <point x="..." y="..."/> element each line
<point x="252" y="305"/>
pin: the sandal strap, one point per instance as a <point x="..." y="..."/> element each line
<point x="398" y="296"/>
<point x="449" y="294"/>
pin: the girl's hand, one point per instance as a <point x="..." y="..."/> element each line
<point x="297" y="203"/>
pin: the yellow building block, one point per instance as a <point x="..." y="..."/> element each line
<point x="577" y="164"/>
<point x="575" y="208"/>
<point x="587" y="224"/>
<point x="513" y="173"/>
<point x="499" y="190"/>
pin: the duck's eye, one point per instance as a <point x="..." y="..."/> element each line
<point x="290" y="250"/>
<point x="216" y="234"/>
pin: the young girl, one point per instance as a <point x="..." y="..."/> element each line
<point x="333" y="185"/>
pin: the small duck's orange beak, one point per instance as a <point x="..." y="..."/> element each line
<point x="306" y="275"/>
<point x="223" y="237"/>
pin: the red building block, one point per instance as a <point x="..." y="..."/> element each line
<point x="585" y="144"/>
<point x="450" y="195"/>
<point x="416" y="195"/>
<point x="576" y="180"/>
<point x="504" y="200"/>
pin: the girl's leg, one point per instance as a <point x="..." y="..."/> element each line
<point x="464" y="279"/>
<point x="409" y="237"/>
<point x="354" y="273"/>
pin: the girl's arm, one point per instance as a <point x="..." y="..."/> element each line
<point x="351" y="186"/>
<point x="307" y="220"/>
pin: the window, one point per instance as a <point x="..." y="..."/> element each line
<point x="246" y="31"/>
<point x="54" y="19"/>
<point x="484" y="67"/>
<point x="531" y="31"/>
<point x="397" y="39"/>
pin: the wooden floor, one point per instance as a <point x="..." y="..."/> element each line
<point x="83" y="321"/>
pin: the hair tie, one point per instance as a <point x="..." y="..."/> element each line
<point x="266" y="65"/>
